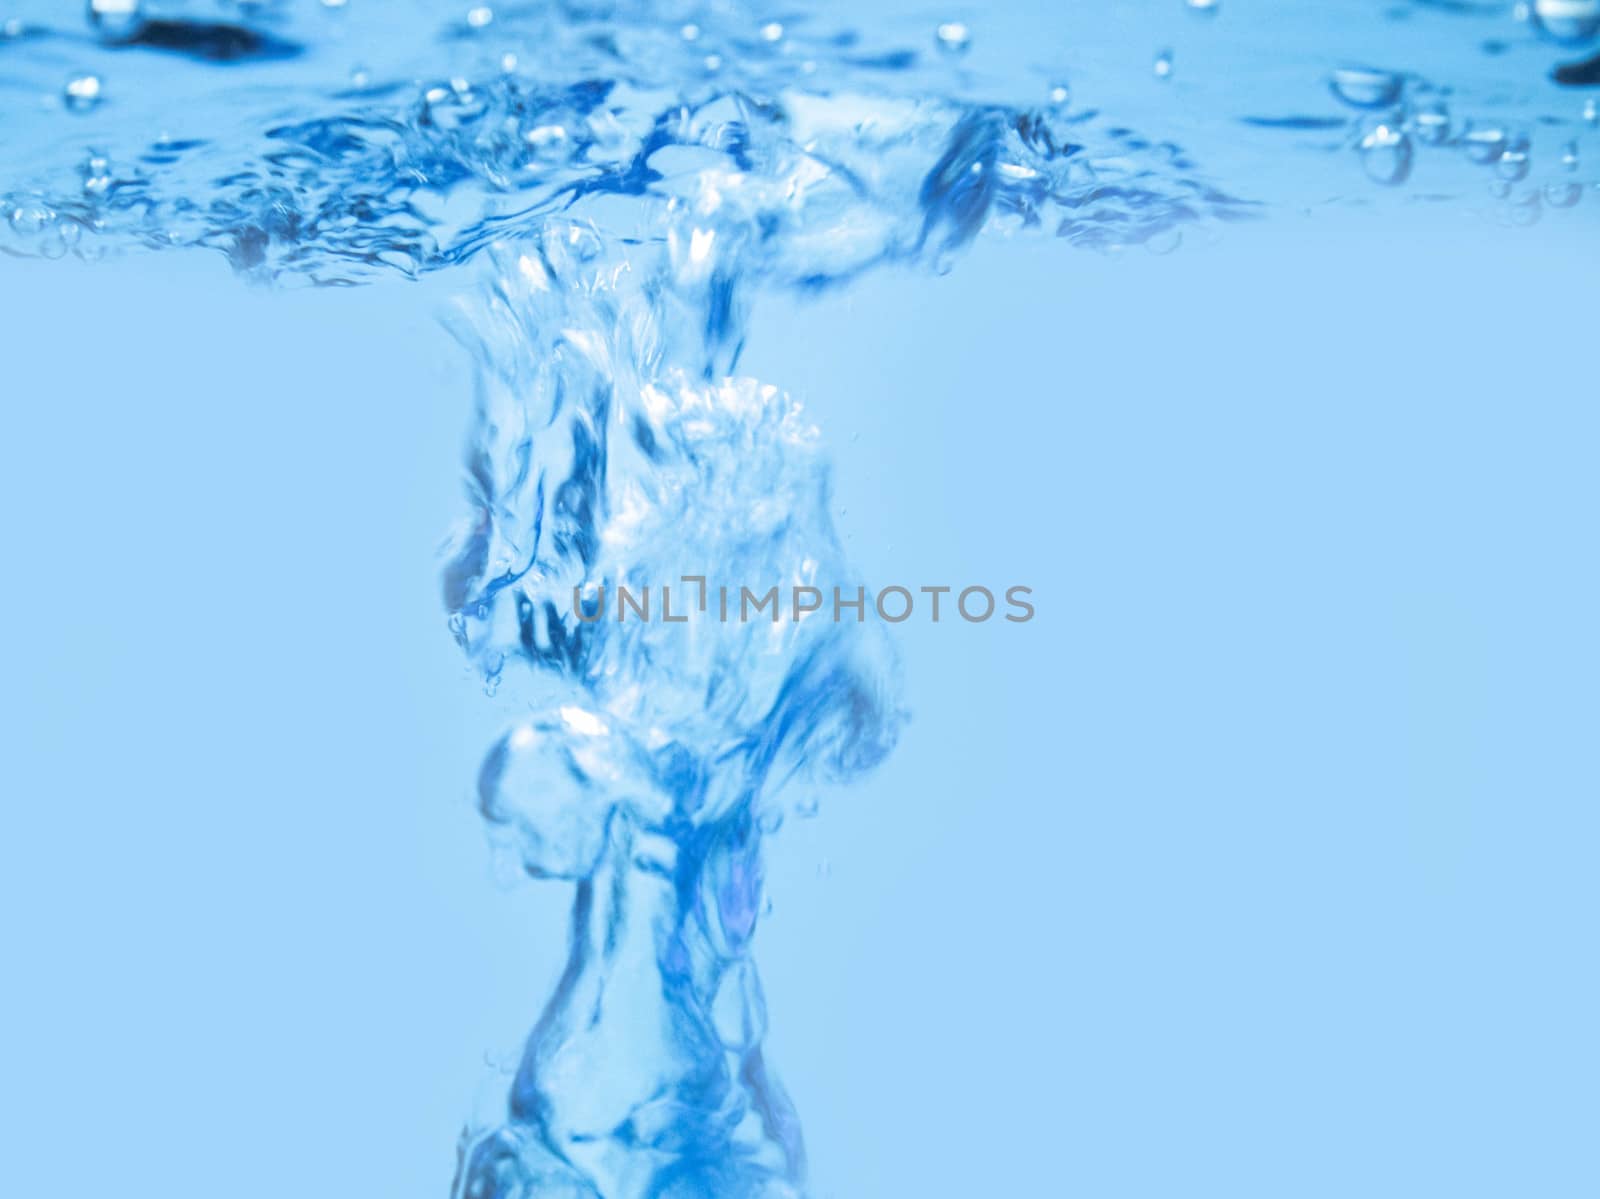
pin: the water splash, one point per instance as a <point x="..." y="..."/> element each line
<point x="627" y="179"/>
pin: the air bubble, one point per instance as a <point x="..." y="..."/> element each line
<point x="1060" y="96"/>
<point x="1514" y="163"/>
<point x="1203" y="8"/>
<point x="1386" y="156"/>
<point x="1163" y="65"/>
<point x="115" y="20"/>
<point x="953" y="37"/>
<point x="1431" y="124"/>
<point x="1366" y="87"/>
<point x="772" y="32"/>
<point x="1564" y="194"/>
<point x="481" y="17"/>
<point x="1484" y="144"/>
<point x="1567" y="21"/>
<point x="82" y="93"/>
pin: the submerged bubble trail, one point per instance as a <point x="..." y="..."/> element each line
<point x="629" y="178"/>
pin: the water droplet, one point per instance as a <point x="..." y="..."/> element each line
<point x="1163" y="65"/>
<point x="480" y="17"/>
<point x="1514" y="164"/>
<point x="1203" y="8"/>
<point x="1386" y="156"/>
<point x="1366" y="87"/>
<point x="1431" y="124"/>
<point x="1567" y="20"/>
<point x="772" y="32"/>
<point x="1484" y="143"/>
<point x="1060" y="95"/>
<point x="82" y="92"/>
<point x="115" y="19"/>
<point x="1563" y="195"/>
<point x="953" y="37"/>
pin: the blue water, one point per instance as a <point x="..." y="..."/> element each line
<point x="618" y="189"/>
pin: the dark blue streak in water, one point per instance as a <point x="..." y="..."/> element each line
<point x="630" y="177"/>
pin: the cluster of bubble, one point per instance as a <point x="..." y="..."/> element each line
<point x="552" y="109"/>
<point x="1402" y="115"/>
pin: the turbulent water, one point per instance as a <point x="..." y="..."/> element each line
<point x="625" y="180"/>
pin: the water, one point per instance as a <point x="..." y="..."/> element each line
<point x="617" y="186"/>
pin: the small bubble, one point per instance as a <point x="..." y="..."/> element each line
<point x="480" y="17"/>
<point x="1164" y="242"/>
<point x="1484" y="143"/>
<point x="713" y="63"/>
<point x="1431" y="124"/>
<point x="1366" y="87"/>
<point x="690" y="32"/>
<point x="1514" y="163"/>
<point x="115" y="19"/>
<point x="1163" y="65"/>
<point x="1567" y="21"/>
<point x="96" y="173"/>
<point x="82" y="93"/>
<point x="953" y="37"/>
<point x="508" y="63"/>
<point x="1524" y="211"/>
<point x="360" y="76"/>
<point x="1564" y="194"/>
<point x="1203" y="8"/>
<point x="1569" y="156"/>
<point x="1591" y="111"/>
<point x="772" y="32"/>
<point x="334" y="3"/>
<point x="806" y="807"/>
<point x="1499" y="189"/>
<point x="1386" y="156"/>
<point x="30" y="218"/>
<point x="1060" y="95"/>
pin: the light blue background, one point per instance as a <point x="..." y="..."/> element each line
<point x="1261" y="864"/>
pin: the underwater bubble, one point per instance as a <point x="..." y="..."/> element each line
<point x="1524" y="211"/>
<point x="1567" y="20"/>
<point x="772" y="31"/>
<point x="806" y="807"/>
<point x="115" y="19"/>
<point x="690" y="32"/>
<point x="334" y="3"/>
<point x="1513" y="163"/>
<point x="96" y="173"/>
<point x="31" y="218"/>
<point x="480" y="17"/>
<point x="1499" y="189"/>
<point x="1366" y="87"/>
<point x="1569" y="156"/>
<point x="82" y="93"/>
<point x="953" y="37"/>
<point x="1163" y="65"/>
<point x="1431" y="124"/>
<point x="1564" y="194"/>
<point x="1591" y="111"/>
<point x="1203" y="8"/>
<point x="1386" y="155"/>
<point x="1164" y="242"/>
<point x="1060" y="95"/>
<point x="1484" y="143"/>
